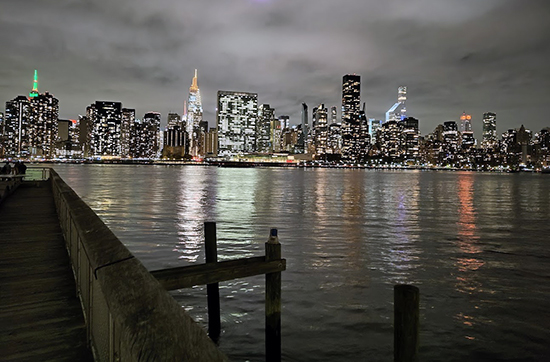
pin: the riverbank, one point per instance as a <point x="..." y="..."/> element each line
<point x="248" y="164"/>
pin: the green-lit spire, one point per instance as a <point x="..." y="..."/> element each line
<point x="34" y="91"/>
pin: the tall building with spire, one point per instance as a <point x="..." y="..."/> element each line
<point x="31" y="124"/>
<point x="467" y="134"/>
<point x="194" y="117"/>
<point x="398" y="111"/>
<point x="34" y="92"/>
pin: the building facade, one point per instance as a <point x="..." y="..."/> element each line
<point x="490" y="139"/>
<point x="266" y="115"/>
<point x="236" y="114"/>
<point x="351" y="124"/>
<point x="194" y="118"/>
<point x="106" y="118"/>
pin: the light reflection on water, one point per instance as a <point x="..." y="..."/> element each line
<point x="475" y="244"/>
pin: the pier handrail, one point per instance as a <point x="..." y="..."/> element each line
<point x="129" y="315"/>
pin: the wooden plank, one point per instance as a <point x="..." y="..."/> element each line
<point x="212" y="290"/>
<point x="273" y="302"/>
<point x="40" y="315"/>
<point x="189" y="276"/>
<point x="406" y="323"/>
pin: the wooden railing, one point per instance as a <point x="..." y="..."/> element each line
<point x="129" y="315"/>
<point x="213" y="272"/>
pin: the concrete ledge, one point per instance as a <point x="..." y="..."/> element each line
<point x="149" y="325"/>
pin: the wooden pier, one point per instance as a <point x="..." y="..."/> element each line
<point x="118" y="309"/>
<point x="40" y="314"/>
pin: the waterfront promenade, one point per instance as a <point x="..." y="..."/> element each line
<point x="40" y="314"/>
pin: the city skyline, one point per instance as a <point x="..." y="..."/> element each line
<point x="459" y="57"/>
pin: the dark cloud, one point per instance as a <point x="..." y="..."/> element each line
<point x="454" y="55"/>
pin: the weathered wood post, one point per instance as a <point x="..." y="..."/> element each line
<point x="406" y="325"/>
<point x="273" y="301"/>
<point x="212" y="290"/>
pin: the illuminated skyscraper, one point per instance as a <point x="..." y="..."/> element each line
<point x="106" y="118"/>
<point x="333" y="115"/>
<point x="467" y="134"/>
<point x="174" y="135"/>
<point x="391" y="139"/>
<point x="451" y="139"/>
<point x="351" y="124"/>
<point x="465" y="122"/>
<point x="43" y="118"/>
<point x="34" y="92"/>
<point x="320" y="115"/>
<point x="374" y="126"/>
<point x="128" y="118"/>
<point x="148" y="144"/>
<point x="266" y="115"/>
<point x="301" y="146"/>
<point x="398" y="111"/>
<point x="275" y="131"/>
<point x="489" y="130"/>
<point x="351" y="97"/>
<point x="194" y="117"/>
<point x="236" y="115"/>
<point x="411" y="136"/>
<point x="31" y="124"/>
<point x="17" y="128"/>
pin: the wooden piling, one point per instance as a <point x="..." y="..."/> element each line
<point x="212" y="290"/>
<point x="406" y="323"/>
<point x="273" y="301"/>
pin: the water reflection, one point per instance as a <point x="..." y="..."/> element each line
<point x="403" y="251"/>
<point x="191" y="213"/>
<point x="467" y="237"/>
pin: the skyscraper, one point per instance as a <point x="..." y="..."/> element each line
<point x="398" y="111"/>
<point x="467" y="134"/>
<point x="465" y="122"/>
<point x="351" y="124"/>
<point x="351" y="97"/>
<point x="16" y="127"/>
<point x="43" y="118"/>
<point x="411" y="136"/>
<point x="301" y="146"/>
<point x="333" y="115"/>
<point x="149" y="143"/>
<point x="128" y="118"/>
<point x="374" y="126"/>
<point x="236" y="115"/>
<point x="451" y="139"/>
<point x="194" y="117"/>
<point x="106" y="118"/>
<point x="391" y="139"/>
<point x="320" y="115"/>
<point x="30" y="126"/>
<point x="489" y="130"/>
<point x="263" y="128"/>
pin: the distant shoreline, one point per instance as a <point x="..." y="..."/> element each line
<point x="245" y="164"/>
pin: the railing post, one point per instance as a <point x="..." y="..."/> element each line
<point x="273" y="301"/>
<point x="212" y="290"/>
<point x="406" y="325"/>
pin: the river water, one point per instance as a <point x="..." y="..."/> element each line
<point x="476" y="244"/>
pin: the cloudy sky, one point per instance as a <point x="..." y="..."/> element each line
<point x="453" y="55"/>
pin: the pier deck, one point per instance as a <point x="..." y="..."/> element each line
<point x="40" y="315"/>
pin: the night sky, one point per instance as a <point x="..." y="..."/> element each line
<point x="453" y="55"/>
